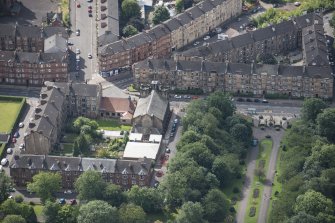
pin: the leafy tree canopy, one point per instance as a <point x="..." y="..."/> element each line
<point x="90" y="186"/>
<point x="161" y="14"/>
<point x="98" y="212"/>
<point x="131" y="213"/>
<point x="311" y="108"/>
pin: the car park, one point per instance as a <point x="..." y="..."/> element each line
<point x="4" y="161"/>
<point x="21" y="124"/>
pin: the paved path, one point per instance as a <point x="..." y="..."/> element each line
<point x="251" y="164"/>
<point x="276" y="138"/>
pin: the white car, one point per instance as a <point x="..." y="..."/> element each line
<point x="9" y="150"/>
<point x="177" y="96"/>
<point x="21" y="124"/>
<point x="196" y="43"/>
<point x="89" y="56"/>
<point x="77" y="32"/>
<point x="21" y="146"/>
<point x="77" y="51"/>
<point x="207" y="37"/>
<point x="4" y="161"/>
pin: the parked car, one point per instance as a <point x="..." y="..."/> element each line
<point x="77" y="32"/>
<point x="78" y="5"/>
<point x="73" y="202"/>
<point x="89" y="10"/>
<point x="21" y="124"/>
<point x="187" y="97"/>
<point x="175" y="120"/>
<point x="16" y="134"/>
<point x="90" y="15"/>
<point x="156" y="184"/>
<point x="89" y="56"/>
<point x="22" y="146"/>
<point x="265" y="101"/>
<point x="62" y="201"/>
<point x="89" y="7"/>
<point x="268" y="136"/>
<point x="177" y="96"/>
<point x="68" y="192"/>
<point x="256" y="100"/>
<point x="4" y="161"/>
<point x="284" y="118"/>
<point x="167" y="150"/>
<point x="9" y="150"/>
<point x="77" y="51"/>
<point x="172" y="134"/>
<point x="13" y="140"/>
<point x="249" y="100"/>
<point x="196" y="43"/>
<point x="159" y="173"/>
<point x="207" y="38"/>
<point x="240" y="99"/>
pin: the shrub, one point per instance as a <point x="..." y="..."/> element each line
<point x="236" y="190"/>
<point x="252" y="212"/>
<point x="31" y="203"/>
<point x="256" y="193"/>
<point x="122" y="132"/>
<point x="232" y="210"/>
<point x="18" y="199"/>
<point x="276" y="193"/>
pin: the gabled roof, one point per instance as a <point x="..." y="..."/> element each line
<point x="55" y="43"/>
<point x="153" y="105"/>
<point x="119" y="105"/>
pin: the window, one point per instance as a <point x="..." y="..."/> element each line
<point x="133" y="182"/>
<point x="125" y="177"/>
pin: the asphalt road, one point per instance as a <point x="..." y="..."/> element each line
<point x="86" y="41"/>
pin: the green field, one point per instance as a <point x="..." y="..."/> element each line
<point x="265" y="148"/>
<point x="9" y="111"/>
<point x="112" y="125"/>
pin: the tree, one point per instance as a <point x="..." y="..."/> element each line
<point x="190" y="213"/>
<point x="311" y="108"/>
<point x="150" y="199"/>
<point x="188" y="137"/>
<point x="326" y="124"/>
<point x="241" y="133"/>
<point x="103" y="153"/>
<point x="68" y="214"/>
<point x="97" y="212"/>
<point x="199" y="153"/>
<point x="45" y="185"/>
<point x="10" y="207"/>
<point x="131" y="213"/>
<point x="90" y="186"/>
<point x="179" y="6"/>
<point x="259" y="171"/>
<point x="130" y="9"/>
<point x="114" y="195"/>
<point x="161" y="14"/>
<point x="313" y="203"/>
<point x="13" y="219"/>
<point x="129" y="30"/>
<point x="5" y="186"/>
<point x="221" y="101"/>
<point x="266" y="58"/>
<point x="302" y="217"/>
<point x="50" y="212"/>
<point x="226" y="167"/>
<point x="174" y="185"/>
<point x="83" y="145"/>
<point x="216" y="206"/>
<point x="76" y="150"/>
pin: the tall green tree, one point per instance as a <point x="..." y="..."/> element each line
<point x="45" y="185"/>
<point x="314" y="203"/>
<point x="5" y="186"/>
<point x="216" y="206"/>
<point x="179" y="5"/>
<point x="221" y="101"/>
<point x="90" y="186"/>
<point x="130" y="9"/>
<point x="311" y="108"/>
<point x="190" y="213"/>
<point x="13" y="219"/>
<point x="10" y="207"/>
<point x="114" y="195"/>
<point x="161" y="14"/>
<point x="131" y="213"/>
<point x="76" y="150"/>
<point x="97" y="212"/>
<point x="150" y="199"/>
<point x="241" y="133"/>
<point x="226" y="167"/>
<point x="326" y="124"/>
<point x="50" y="212"/>
<point x="174" y="185"/>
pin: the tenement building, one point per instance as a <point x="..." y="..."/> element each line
<point x="304" y="32"/>
<point x="258" y="79"/>
<point x="58" y="101"/>
<point x="28" y="68"/>
<point x="168" y="36"/>
<point x="125" y="173"/>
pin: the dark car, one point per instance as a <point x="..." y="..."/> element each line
<point x="168" y="150"/>
<point x="268" y="136"/>
<point x="256" y="100"/>
<point x="62" y="201"/>
<point x="14" y="140"/>
<point x="249" y="100"/>
<point x="16" y="135"/>
<point x="90" y="15"/>
<point x="73" y="202"/>
<point x="240" y="99"/>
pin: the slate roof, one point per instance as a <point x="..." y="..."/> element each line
<point x="205" y="6"/>
<point x="154" y="105"/>
<point x="235" y="68"/>
<point x="55" y="43"/>
<point x="195" y="12"/>
<point x="34" y="58"/>
<point x="107" y="38"/>
<point x="158" y="32"/>
<point x="184" y="18"/>
<point x="63" y="163"/>
<point x="172" y="24"/>
<point x="79" y="89"/>
<point x="7" y="30"/>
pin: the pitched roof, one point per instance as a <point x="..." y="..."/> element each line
<point x="117" y="105"/>
<point x="55" y="43"/>
<point x="154" y="105"/>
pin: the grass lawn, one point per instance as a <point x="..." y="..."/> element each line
<point x="38" y="211"/>
<point x="69" y="138"/>
<point x="112" y="125"/>
<point x="131" y="88"/>
<point x="8" y="113"/>
<point x="265" y="148"/>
